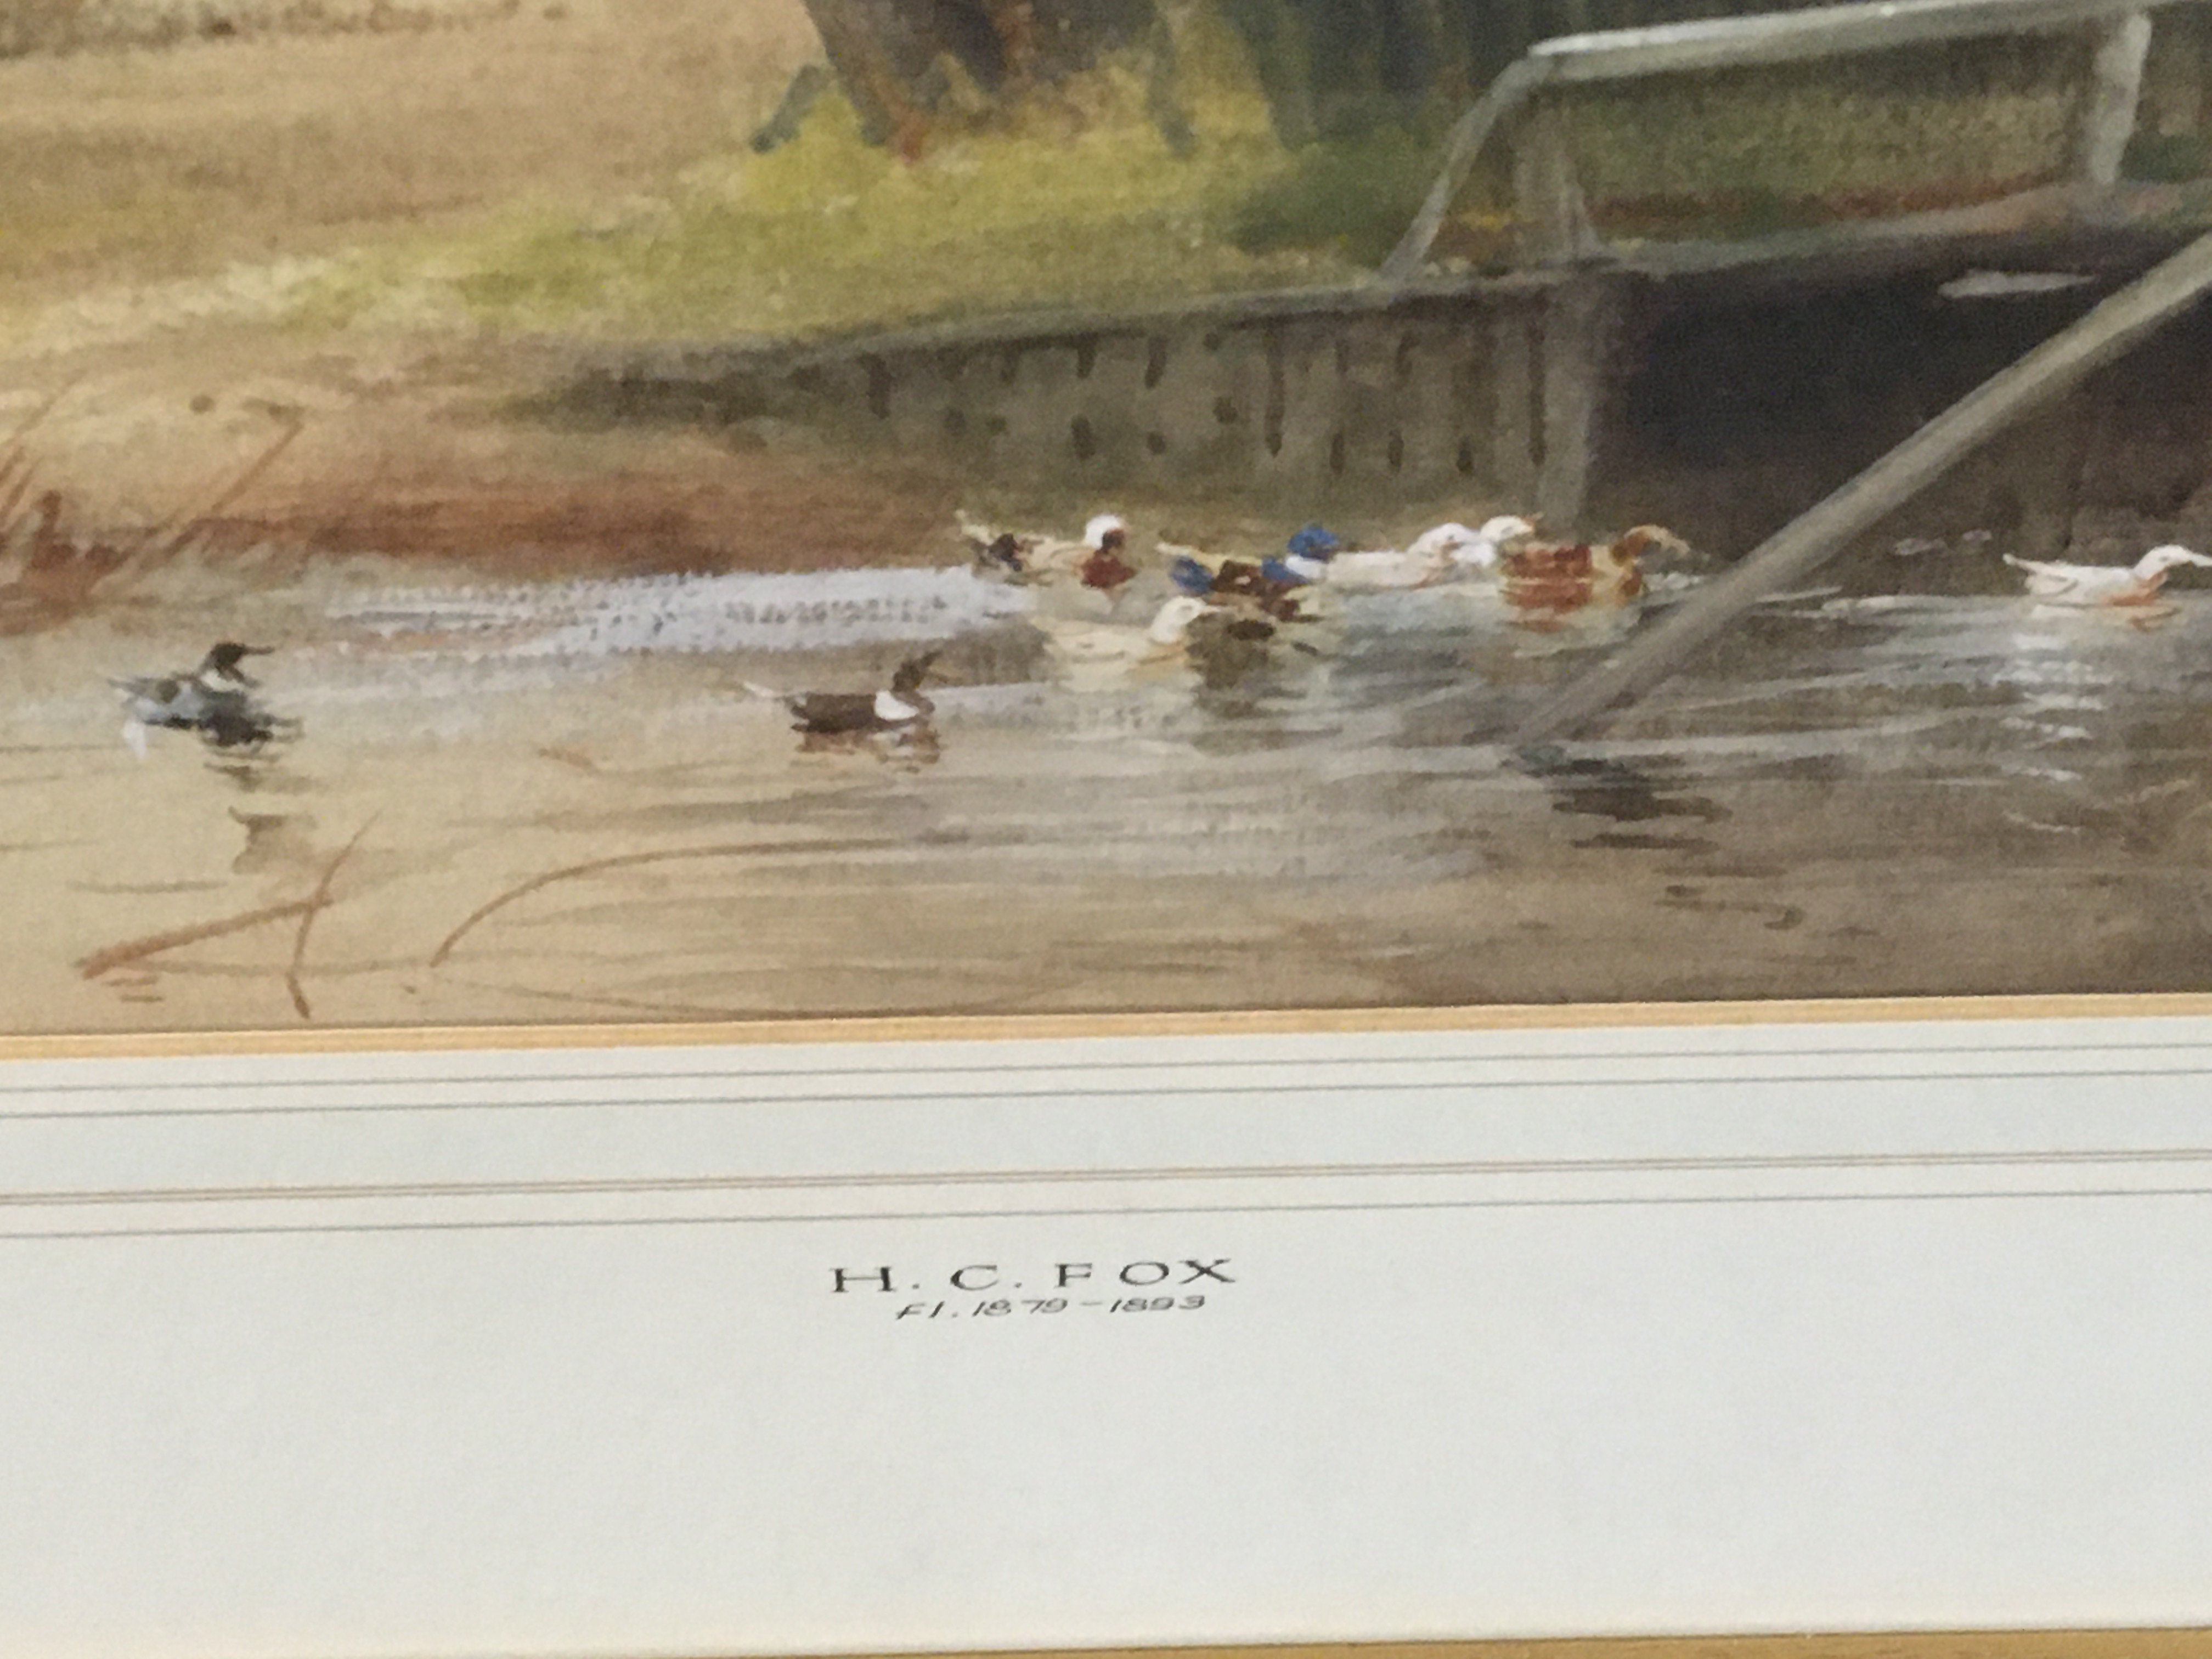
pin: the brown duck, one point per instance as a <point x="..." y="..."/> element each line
<point x="1548" y="581"/>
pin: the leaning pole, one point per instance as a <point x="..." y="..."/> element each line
<point x="1809" y="541"/>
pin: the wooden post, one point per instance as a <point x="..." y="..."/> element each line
<point x="1554" y="221"/>
<point x="1578" y="329"/>
<point x="1462" y="148"/>
<point x="1513" y="416"/>
<point x="2108" y="109"/>
<point x="2173" y="77"/>
<point x="1808" y="542"/>
<point x="2053" y="453"/>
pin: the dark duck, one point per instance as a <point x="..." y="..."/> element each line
<point x="898" y="709"/>
<point x="215" y="700"/>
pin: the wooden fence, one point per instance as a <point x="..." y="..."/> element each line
<point x="1331" y="67"/>
<point x="1525" y="104"/>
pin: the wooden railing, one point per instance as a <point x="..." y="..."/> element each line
<point x="1528" y="98"/>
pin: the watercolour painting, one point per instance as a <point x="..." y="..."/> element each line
<point x="610" y="511"/>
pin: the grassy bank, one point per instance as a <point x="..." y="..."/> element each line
<point x="581" y="169"/>
<point x="1088" y="206"/>
<point x="1077" y="201"/>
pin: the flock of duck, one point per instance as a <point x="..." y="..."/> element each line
<point x="1098" y="610"/>
<point x="1101" y="612"/>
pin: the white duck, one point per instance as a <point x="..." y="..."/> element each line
<point x="1093" y="644"/>
<point x="1428" y="560"/>
<point x="1443" y="553"/>
<point x="2104" y="584"/>
<point x="1478" y="551"/>
<point x="1433" y="556"/>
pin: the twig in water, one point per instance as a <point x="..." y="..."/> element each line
<point x="30" y="422"/>
<point x="629" y="860"/>
<point x="137" y="949"/>
<point x="17" y="473"/>
<point x="316" y="902"/>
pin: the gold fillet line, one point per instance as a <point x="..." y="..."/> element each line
<point x="2115" y="1642"/>
<point x="930" y="1028"/>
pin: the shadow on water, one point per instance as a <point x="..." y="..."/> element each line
<point x="1591" y="787"/>
<point x="909" y="747"/>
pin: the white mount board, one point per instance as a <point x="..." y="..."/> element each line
<point x="1527" y="1333"/>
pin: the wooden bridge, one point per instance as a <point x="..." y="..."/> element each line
<point x="1518" y="384"/>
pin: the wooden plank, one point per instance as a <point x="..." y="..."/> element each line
<point x="1555" y="223"/>
<point x="2115" y="91"/>
<point x="2040" y="208"/>
<point x="1800" y="547"/>
<point x="1805" y="36"/>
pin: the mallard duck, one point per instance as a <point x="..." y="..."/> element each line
<point x="1102" y="566"/>
<point x="2103" y="584"/>
<point x="1189" y="568"/>
<point x="214" y="699"/>
<point x="1096" y="561"/>
<point x="998" y="555"/>
<point x="859" y="713"/>
<point x="1236" y="584"/>
<point x="1252" y="598"/>
<point x="1303" y="563"/>
<point x="1307" y="557"/>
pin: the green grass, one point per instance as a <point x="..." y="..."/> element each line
<point x="1354" y="197"/>
<point x="1809" y="131"/>
<point x="1074" y="207"/>
<point x="1082" y="207"/>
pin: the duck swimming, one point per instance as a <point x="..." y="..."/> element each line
<point x="1096" y="561"/>
<point x="1122" y="645"/>
<point x="214" y="699"/>
<point x="2104" y="584"/>
<point x="1479" y="552"/>
<point x="996" y="555"/>
<point x="1549" y="582"/>
<point x="1271" y="588"/>
<point x="1435" y="555"/>
<point x="1308" y="557"/>
<point x="899" y="708"/>
<point x="1104" y="568"/>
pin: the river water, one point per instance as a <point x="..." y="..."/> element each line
<point x="562" y="803"/>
